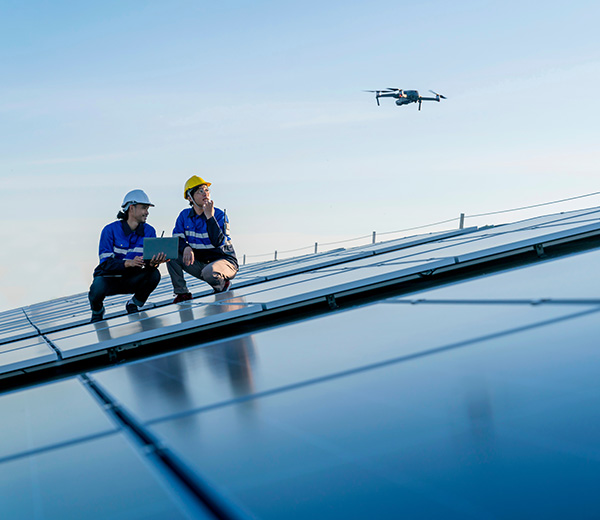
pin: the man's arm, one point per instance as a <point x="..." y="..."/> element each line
<point x="184" y="248"/>
<point x="109" y="263"/>
<point x="214" y="224"/>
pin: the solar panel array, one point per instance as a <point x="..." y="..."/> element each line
<point x="462" y="385"/>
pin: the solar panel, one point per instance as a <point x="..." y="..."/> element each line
<point x="99" y="478"/>
<point x="37" y="423"/>
<point x="469" y="389"/>
<point x="458" y="433"/>
<point x="335" y="345"/>
<point x="568" y="278"/>
<point x="147" y="324"/>
<point x="25" y="353"/>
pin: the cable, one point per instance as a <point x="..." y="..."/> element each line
<point x="434" y="224"/>
<point x="532" y="206"/>
<point x="419" y="227"/>
<point x="342" y="241"/>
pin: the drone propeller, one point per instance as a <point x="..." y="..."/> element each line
<point x="377" y="92"/>
<point x="438" y="95"/>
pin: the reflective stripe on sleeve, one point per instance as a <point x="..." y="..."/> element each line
<point x="201" y="246"/>
<point x="196" y="235"/>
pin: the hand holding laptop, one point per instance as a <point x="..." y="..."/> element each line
<point x="158" y="259"/>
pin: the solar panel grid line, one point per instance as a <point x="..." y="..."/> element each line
<point x="100" y="478"/>
<point x="315" y="296"/>
<point x="54" y="446"/>
<point x="479" y="256"/>
<point x="310" y="298"/>
<point x="555" y="238"/>
<point x="206" y="496"/>
<point x="17" y="333"/>
<point x="515" y="328"/>
<point x="350" y="288"/>
<point x="23" y="343"/>
<point x="383" y="247"/>
<point x="85" y="342"/>
<point x="563" y="277"/>
<point x="346" y="259"/>
<point x="486" y="256"/>
<point x="558" y="224"/>
<point x="369" y="251"/>
<point x="478" y="341"/>
<point x="552" y="217"/>
<point x="544" y="301"/>
<point x="48" y="417"/>
<point x="445" y="244"/>
<point x="369" y="258"/>
<point x="61" y="301"/>
<point x="120" y="320"/>
<point x="24" y="326"/>
<point x="26" y="358"/>
<point x="512" y="228"/>
<point x="67" y="323"/>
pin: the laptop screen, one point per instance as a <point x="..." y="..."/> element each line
<point x="154" y="246"/>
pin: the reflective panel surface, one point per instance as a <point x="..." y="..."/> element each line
<point x="306" y="352"/>
<point x="568" y="278"/>
<point x="49" y="415"/>
<point x="34" y="353"/>
<point x="478" y="399"/>
<point x="507" y="424"/>
<point x="98" y="479"/>
<point x="146" y="324"/>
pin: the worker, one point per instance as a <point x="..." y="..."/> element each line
<point x="205" y="248"/>
<point x="122" y="269"/>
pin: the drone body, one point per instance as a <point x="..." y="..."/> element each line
<point x="405" y="97"/>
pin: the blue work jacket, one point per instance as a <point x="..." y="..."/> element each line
<point x="118" y="242"/>
<point x="208" y="238"/>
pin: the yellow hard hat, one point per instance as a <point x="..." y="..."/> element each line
<point x="192" y="182"/>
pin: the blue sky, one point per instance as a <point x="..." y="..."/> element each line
<point x="265" y="100"/>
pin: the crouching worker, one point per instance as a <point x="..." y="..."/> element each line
<point x="205" y="248"/>
<point x="122" y="269"/>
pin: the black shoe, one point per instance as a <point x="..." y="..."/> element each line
<point x="97" y="316"/>
<point x="131" y="307"/>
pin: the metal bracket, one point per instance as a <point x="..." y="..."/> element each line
<point x="112" y="355"/>
<point x="539" y="249"/>
<point x="331" y="302"/>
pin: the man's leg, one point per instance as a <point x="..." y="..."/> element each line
<point x="101" y="288"/>
<point x="176" y="269"/>
<point x="217" y="274"/>
<point x="97" y="294"/>
<point x="141" y="285"/>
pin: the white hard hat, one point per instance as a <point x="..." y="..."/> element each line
<point x="135" y="197"/>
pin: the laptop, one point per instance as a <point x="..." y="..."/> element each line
<point x="154" y="246"/>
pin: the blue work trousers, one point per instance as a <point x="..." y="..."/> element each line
<point x="140" y="284"/>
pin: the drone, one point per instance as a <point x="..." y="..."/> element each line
<point x="404" y="97"/>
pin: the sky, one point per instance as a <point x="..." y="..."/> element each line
<point x="266" y="100"/>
